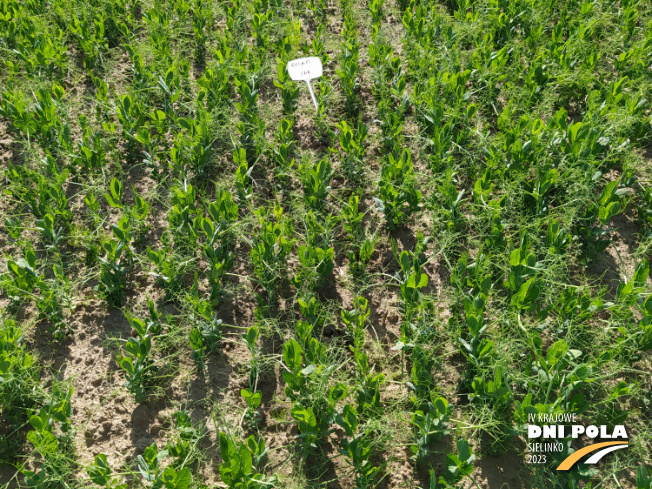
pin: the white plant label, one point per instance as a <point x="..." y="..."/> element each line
<point x="306" y="69"/>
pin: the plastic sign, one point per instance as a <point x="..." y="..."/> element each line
<point x="306" y="69"/>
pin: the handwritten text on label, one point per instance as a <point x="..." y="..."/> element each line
<point x="305" y="68"/>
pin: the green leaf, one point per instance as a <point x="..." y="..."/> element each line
<point x="141" y="209"/>
<point x="641" y="273"/>
<point x="527" y="294"/>
<point x="336" y="393"/>
<point x="556" y="352"/>
<point x="643" y="480"/>
<point x="253" y="399"/>
<point x="293" y="355"/>
<point x="251" y="336"/>
<point x="37" y="423"/>
<point x="100" y="471"/>
<point x="127" y="365"/>
<point x="196" y="339"/>
<point x="463" y="449"/>
<point x="176" y="480"/>
<point x="608" y="193"/>
<point x="44" y="442"/>
<point x="605" y="213"/>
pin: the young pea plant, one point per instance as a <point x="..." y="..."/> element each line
<point x="348" y="70"/>
<point x="113" y="273"/>
<point x="192" y="148"/>
<point x="270" y="248"/>
<point x="423" y="364"/>
<point x="316" y="182"/>
<point x="318" y="8"/>
<point x="391" y="126"/>
<point x="314" y="423"/>
<point x="352" y="144"/>
<point x="259" y="22"/>
<point x="128" y="113"/>
<point x="52" y="236"/>
<point x="316" y="265"/>
<point x="242" y="175"/>
<point x="324" y="93"/>
<point x="368" y="383"/>
<point x="368" y="386"/>
<point x="170" y="88"/>
<point x="301" y="370"/>
<point x="91" y="148"/>
<point x="55" y="299"/>
<point x="316" y="256"/>
<point x="217" y="249"/>
<point x="164" y="270"/>
<point x="473" y="345"/>
<point x="312" y="310"/>
<point x="612" y="202"/>
<point x="355" y="320"/>
<point x="240" y="462"/>
<point x="14" y="228"/>
<point x="357" y="448"/>
<point x="201" y="14"/>
<point x="57" y="410"/>
<point x="430" y="424"/>
<point x="643" y="478"/>
<point x="295" y="375"/>
<point x="100" y="473"/>
<point x="132" y="226"/>
<point x="247" y="107"/>
<point x="523" y="280"/>
<point x="187" y="438"/>
<point x="90" y="36"/>
<point x="376" y="11"/>
<point x="451" y="200"/>
<point x="136" y="361"/>
<point x="398" y="197"/>
<point x="289" y="89"/>
<point x="309" y="429"/>
<point x="282" y="153"/>
<point x="411" y="280"/>
<point x="213" y="88"/>
<point x="557" y="378"/>
<point x="320" y="229"/>
<point x="494" y="392"/>
<point x="183" y="215"/>
<point x="351" y="218"/>
<point x="149" y="465"/>
<point x="358" y="261"/>
<point x="251" y="395"/>
<point x="538" y="190"/>
<point x="208" y="325"/>
<point x="23" y="277"/>
<point x="458" y="466"/>
<point x="558" y="238"/>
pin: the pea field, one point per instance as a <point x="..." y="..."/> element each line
<point x="207" y="283"/>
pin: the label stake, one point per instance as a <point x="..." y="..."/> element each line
<point x="306" y="69"/>
<point x="312" y="94"/>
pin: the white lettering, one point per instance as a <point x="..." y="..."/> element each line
<point x="550" y="431"/>
<point x="533" y="431"/>
<point x="619" y="431"/>
<point x="592" y="431"/>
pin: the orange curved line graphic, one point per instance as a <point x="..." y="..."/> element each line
<point x="575" y="456"/>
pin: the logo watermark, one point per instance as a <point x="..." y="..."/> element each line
<point x="559" y="426"/>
